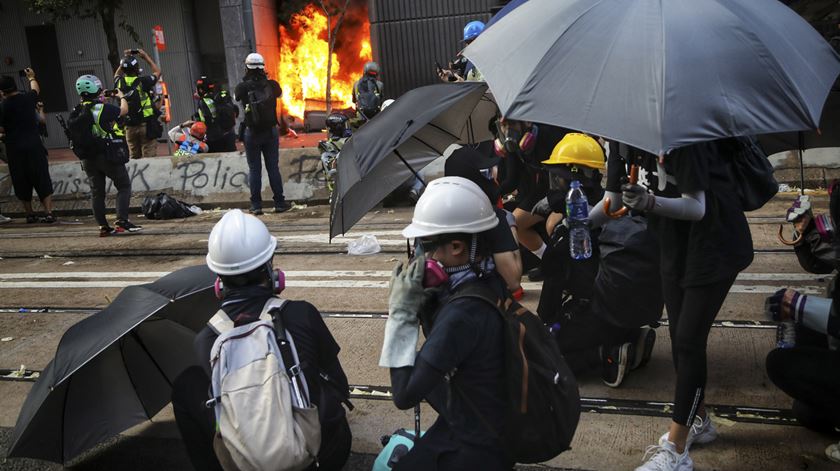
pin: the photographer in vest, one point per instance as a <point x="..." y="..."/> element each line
<point x="98" y="167"/>
<point x="142" y="128"/>
<point x="240" y="252"/>
<point x="216" y="110"/>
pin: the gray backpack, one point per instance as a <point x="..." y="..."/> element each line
<point x="264" y="418"/>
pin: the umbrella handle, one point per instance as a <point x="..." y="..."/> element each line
<point x="796" y="240"/>
<point x="634" y="177"/>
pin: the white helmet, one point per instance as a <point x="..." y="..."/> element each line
<point x="451" y="205"/>
<point x="255" y="61"/>
<point x="387" y="103"/>
<point x="239" y="243"/>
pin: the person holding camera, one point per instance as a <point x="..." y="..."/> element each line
<point x="26" y="154"/>
<point x="142" y="125"/>
<point x="98" y="167"/>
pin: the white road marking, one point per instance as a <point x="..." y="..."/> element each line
<point x="345" y="274"/>
<point x="292" y="283"/>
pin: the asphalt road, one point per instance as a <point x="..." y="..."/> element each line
<point x="67" y="268"/>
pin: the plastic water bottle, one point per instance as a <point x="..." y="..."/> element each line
<point x="786" y="334"/>
<point x="577" y="210"/>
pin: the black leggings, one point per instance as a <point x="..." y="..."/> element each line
<point x="691" y="312"/>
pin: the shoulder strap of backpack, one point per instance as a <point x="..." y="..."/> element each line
<point x="220" y="323"/>
<point x="275" y="308"/>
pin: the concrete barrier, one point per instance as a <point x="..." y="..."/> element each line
<point x="208" y="179"/>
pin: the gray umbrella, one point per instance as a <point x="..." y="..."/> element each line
<point x="658" y="75"/>
<point x="115" y="369"/>
<point x="405" y="137"/>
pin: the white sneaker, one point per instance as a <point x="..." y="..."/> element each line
<point x="664" y="457"/>
<point x="833" y="452"/>
<point x="702" y="431"/>
<point x="4" y="219"/>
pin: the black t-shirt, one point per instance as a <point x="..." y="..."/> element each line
<point x="467" y="335"/>
<point x="20" y="121"/>
<point x="254" y="82"/>
<point x="533" y="183"/>
<point x="316" y="348"/>
<point x="500" y="237"/>
<point x="695" y="253"/>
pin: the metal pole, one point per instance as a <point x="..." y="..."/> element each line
<point x="801" y="137"/>
<point x="156" y="57"/>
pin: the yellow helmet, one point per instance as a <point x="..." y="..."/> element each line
<point x="577" y="149"/>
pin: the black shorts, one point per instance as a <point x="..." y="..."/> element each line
<point x="30" y="170"/>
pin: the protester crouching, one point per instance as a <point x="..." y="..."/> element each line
<point x="240" y="252"/>
<point x="807" y="358"/>
<point x="464" y="338"/>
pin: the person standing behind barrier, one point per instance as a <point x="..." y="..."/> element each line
<point x="460" y="369"/>
<point x="704" y="242"/>
<point x="258" y="95"/>
<point x="27" y="156"/>
<point x="240" y="252"/>
<point x="217" y="111"/>
<point x="98" y="167"/>
<point x="142" y="128"/>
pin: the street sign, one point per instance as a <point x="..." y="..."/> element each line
<point x="160" y="42"/>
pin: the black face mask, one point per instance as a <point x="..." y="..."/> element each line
<point x="248" y="292"/>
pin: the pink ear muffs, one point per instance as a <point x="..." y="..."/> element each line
<point x="278" y="282"/>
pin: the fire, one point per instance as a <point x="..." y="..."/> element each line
<point x="304" y="51"/>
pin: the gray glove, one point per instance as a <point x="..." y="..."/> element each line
<point x="542" y="208"/>
<point x="636" y="197"/>
<point x="402" y="329"/>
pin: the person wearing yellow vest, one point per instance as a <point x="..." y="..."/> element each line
<point x="139" y="90"/>
<point x="216" y="110"/>
<point x="97" y="168"/>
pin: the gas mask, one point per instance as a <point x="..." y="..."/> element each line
<point x="434" y="273"/>
<point x="513" y="140"/>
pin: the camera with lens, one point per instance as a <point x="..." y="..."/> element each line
<point x="110" y="93"/>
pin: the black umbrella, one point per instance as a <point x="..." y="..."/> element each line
<point x="405" y="137"/>
<point x="115" y="369"/>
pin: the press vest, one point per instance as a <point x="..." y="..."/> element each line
<point x="211" y="105"/>
<point x="97" y="129"/>
<point x="146" y="108"/>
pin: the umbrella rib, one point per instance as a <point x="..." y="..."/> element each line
<point x="444" y="130"/>
<point x="64" y="419"/>
<point x="416" y="175"/>
<point x="151" y="357"/>
<point x="128" y="373"/>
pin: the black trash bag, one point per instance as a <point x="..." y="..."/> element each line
<point x="163" y="206"/>
<point x="628" y="291"/>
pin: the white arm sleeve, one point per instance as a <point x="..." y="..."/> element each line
<point x="597" y="218"/>
<point x="690" y="207"/>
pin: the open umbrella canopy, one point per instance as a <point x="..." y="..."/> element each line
<point x="115" y="368"/>
<point x="405" y="137"/>
<point x="658" y="75"/>
<point x="828" y="134"/>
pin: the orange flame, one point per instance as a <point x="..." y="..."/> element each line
<point x="304" y="50"/>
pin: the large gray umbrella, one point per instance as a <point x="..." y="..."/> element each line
<point x="402" y="139"/>
<point x="658" y="74"/>
<point x="115" y="369"/>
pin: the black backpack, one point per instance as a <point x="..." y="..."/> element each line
<point x="226" y="111"/>
<point x="753" y="174"/>
<point x="260" y="111"/>
<point x="368" y="98"/>
<point x="84" y="143"/>
<point x="544" y="406"/>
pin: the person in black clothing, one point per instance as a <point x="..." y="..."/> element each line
<point x="142" y="127"/>
<point x="469" y="163"/>
<point x="259" y="132"/>
<point x="523" y="146"/>
<point x="243" y="241"/>
<point x="27" y="156"/>
<point x="211" y="109"/>
<point x="704" y="243"/>
<point x="463" y="357"/>
<point x="98" y="167"/>
<point x="807" y="366"/>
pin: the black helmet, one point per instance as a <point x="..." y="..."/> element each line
<point x="337" y="124"/>
<point x="205" y="85"/>
<point x="130" y="65"/>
